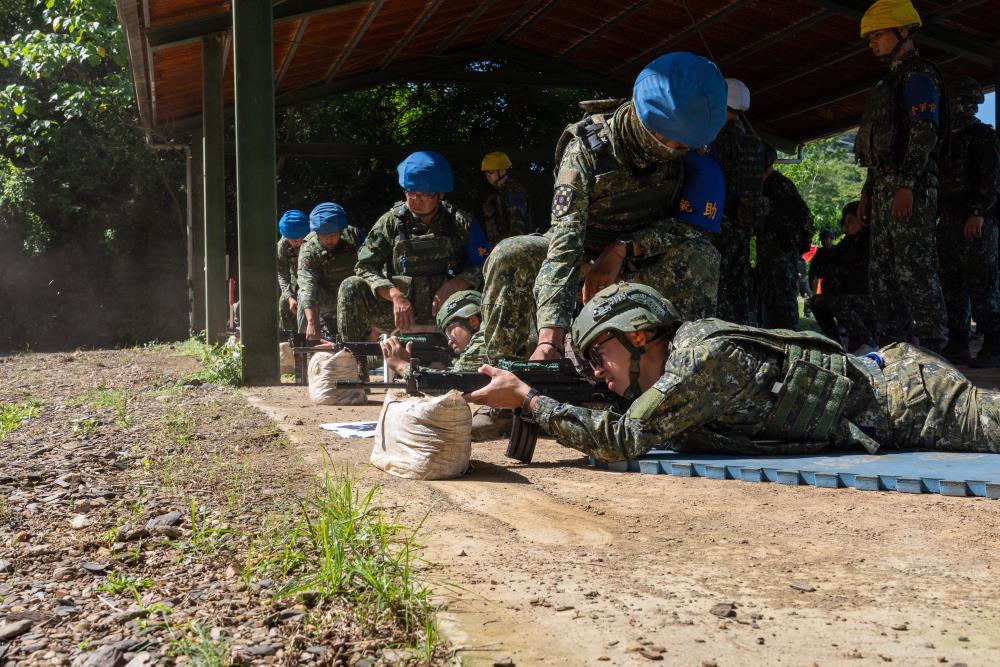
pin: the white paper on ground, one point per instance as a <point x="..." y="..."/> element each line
<point x="352" y="429"/>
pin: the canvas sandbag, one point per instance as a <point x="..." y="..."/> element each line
<point x="423" y="437"/>
<point x="324" y="369"/>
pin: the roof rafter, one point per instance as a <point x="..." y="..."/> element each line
<point x="776" y="38"/>
<point x="513" y="20"/>
<point x="410" y="33"/>
<point x="463" y="26"/>
<point x="530" y="22"/>
<point x="292" y="50"/>
<point x="359" y="32"/>
<point x="608" y="25"/>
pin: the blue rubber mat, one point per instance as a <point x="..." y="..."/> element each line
<point x="950" y="474"/>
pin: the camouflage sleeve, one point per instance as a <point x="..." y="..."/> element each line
<point x="654" y="239"/>
<point x="799" y="217"/>
<point x="698" y="384"/>
<point x="375" y="254"/>
<point x="471" y="274"/>
<point x="923" y="138"/>
<point x="985" y="160"/>
<point x="307" y="277"/>
<point x="922" y="95"/>
<point x="284" y="274"/>
<point x="473" y="356"/>
<point x="556" y="283"/>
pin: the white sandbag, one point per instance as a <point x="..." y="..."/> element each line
<point x="423" y="437"/>
<point x="286" y="359"/>
<point x="324" y="369"/>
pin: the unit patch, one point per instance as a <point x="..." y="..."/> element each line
<point x="562" y="199"/>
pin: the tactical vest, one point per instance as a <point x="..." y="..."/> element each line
<point x="338" y="264"/>
<point x="810" y="398"/>
<point x="622" y="200"/>
<point x="741" y="155"/>
<point x="955" y="178"/>
<point x="881" y="141"/>
<point x="424" y="255"/>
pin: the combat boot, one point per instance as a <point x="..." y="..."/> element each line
<point x="957" y="349"/>
<point x="989" y="355"/>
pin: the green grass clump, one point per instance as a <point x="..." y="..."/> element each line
<point x="201" y="650"/>
<point x="221" y="364"/>
<point x="12" y="415"/>
<point x="119" y="582"/>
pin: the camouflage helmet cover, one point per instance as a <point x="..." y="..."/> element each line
<point x="462" y="304"/>
<point x="624" y="307"/>
<point x="966" y="90"/>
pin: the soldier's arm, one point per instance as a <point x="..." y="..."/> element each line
<point x="985" y="168"/>
<point x="284" y="275"/>
<point x="922" y="98"/>
<point x="306" y="277"/>
<point x="517" y="209"/>
<point x="557" y="280"/>
<point x="699" y="382"/>
<point x="489" y="218"/>
<point x="375" y="254"/>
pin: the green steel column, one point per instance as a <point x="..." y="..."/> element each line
<point x="253" y="64"/>
<point x="214" y="189"/>
<point x="196" y="234"/>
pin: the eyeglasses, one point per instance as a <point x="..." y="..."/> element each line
<point x="594" y="356"/>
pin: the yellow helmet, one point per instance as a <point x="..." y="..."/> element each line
<point x="495" y="160"/>
<point x="885" y="14"/>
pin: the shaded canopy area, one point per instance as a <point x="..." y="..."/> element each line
<point x="802" y="59"/>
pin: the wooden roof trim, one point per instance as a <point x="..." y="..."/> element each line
<point x="608" y="25"/>
<point x="292" y="50"/>
<point x="411" y="32"/>
<point x="359" y="32"/>
<point x="463" y="26"/>
<point x="187" y="31"/>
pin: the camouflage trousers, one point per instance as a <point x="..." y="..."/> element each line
<point x="903" y="270"/>
<point x="969" y="274"/>
<point x="926" y="403"/>
<point x="777" y="285"/>
<point x="287" y="320"/>
<point x="358" y="310"/>
<point x="852" y="312"/>
<point x="326" y="307"/>
<point x="736" y="294"/>
<point x="687" y="274"/>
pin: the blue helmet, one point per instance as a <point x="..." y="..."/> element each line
<point x="328" y="218"/>
<point x="425" y="171"/>
<point x="681" y="96"/>
<point x="293" y="224"/>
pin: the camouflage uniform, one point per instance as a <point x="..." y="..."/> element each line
<point x="781" y="239"/>
<point x="896" y="142"/>
<point x="321" y="271"/>
<point x="741" y="154"/>
<point x="416" y="258"/>
<point x="846" y="300"/>
<point x="609" y="186"/>
<point x="717" y="394"/>
<point x="288" y="265"/>
<point x="970" y="178"/>
<point x="505" y="212"/>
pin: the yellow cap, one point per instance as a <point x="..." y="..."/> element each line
<point x="495" y="160"/>
<point x="885" y="14"/>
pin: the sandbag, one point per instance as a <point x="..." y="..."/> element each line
<point x="326" y="367"/>
<point x="423" y="437"/>
<point x="286" y="359"/>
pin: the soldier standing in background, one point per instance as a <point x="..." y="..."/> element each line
<point x="505" y="209"/>
<point x="326" y="258"/>
<point x="897" y="141"/>
<point x="782" y="237"/>
<point x="293" y="226"/>
<point x="740" y="153"/>
<point x="967" y="232"/>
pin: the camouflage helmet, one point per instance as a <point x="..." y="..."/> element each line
<point x="462" y="305"/>
<point x="966" y="91"/>
<point x="624" y="307"/>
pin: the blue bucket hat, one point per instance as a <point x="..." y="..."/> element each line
<point x="293" y="224"/>
<point x="425" y="171"/>
<point x="328" y="218"/>
<point x="681" y="96"/>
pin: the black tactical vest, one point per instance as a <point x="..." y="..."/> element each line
<point x="428" y="254"/>
<point x="956" y="179"/>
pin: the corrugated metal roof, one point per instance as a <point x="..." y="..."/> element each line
<point x="802" y="59"/>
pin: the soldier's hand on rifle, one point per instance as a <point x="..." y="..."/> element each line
<point x="293" y="305"/>
<point x="902" y="205"/>
<point x="864" y="208"/>
<point x="402" y="312"/>
<point x="973" y="227"/>
<point x="604" y="271"/>
<point x="505" y="389"/>
<point x="450" y="286"/>
<point x="396" y="354"/>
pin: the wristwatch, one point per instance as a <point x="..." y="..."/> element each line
<point x="526" y="403"/>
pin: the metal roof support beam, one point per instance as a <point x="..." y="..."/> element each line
<point x="666" y="45"/>
<point x="212" y="125"/>
<point x="460" y="30"/>
<point x="188" y="31"/>
<point x="966" y="46"/>
<point x="195" y="236"/>
<point x="814" y="66"/>
<point x="607" y="25"/>
<point x="355" y="38"/>
<point x="513" y="20"/>
<point x="530" y="22"/>
<point x="253" y="65"/>
<point x="776" y="38"/>
<point x="300" y="32"/>
<point x="554" y="78"/>
<point x="470" y="152"/>
<point x="410" y="33"/>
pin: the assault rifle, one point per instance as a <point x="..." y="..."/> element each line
<point x="431" y="347"/>
<point x="556" y="379"/>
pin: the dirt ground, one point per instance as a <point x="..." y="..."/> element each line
<point x="559" y="563"/>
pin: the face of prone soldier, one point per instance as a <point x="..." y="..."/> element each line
<point x="423" y="204"/>
<point x="459" y="336"/>
<point x="612" y="362"/>
<point x="329" y="241"/>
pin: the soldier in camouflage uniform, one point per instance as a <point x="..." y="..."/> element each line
<point x="740" y="152"/>
<point x="417" y="255"/>
<point x="783" y="235"/>
<point x="630" y="198"/>
<point x="326" y="258"/>
<point x="293" y="227"/>
<point x="712" y="386"/>
<point x="897" y="142"/>
<point x="505" y="209"/>
<point x="967" y="232"/>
